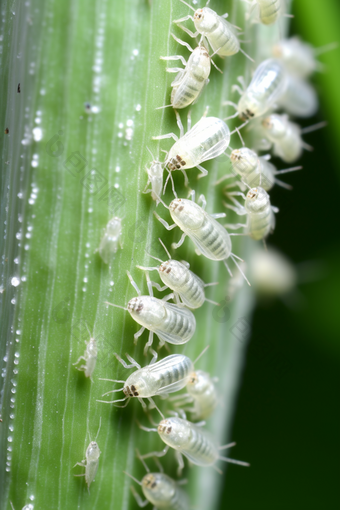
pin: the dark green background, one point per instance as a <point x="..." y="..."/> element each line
<point x="287" y="420"/>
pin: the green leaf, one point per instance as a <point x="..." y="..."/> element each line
<point x="60" y="165"/>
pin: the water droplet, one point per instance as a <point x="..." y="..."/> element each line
<point x="129" y="122"/>
<point x="18" y="235"/>
<point x="10" y="439"/>
<point x="85" y="280"/>
<point x="120" y="125"/>
<point x="37" y="134"/>
<point x="117" y="169"/>
<point x="135" y="52"/>
<point x="15" y="281"/>
<point x="138" y="108"/>
<point x="128" y="133"/>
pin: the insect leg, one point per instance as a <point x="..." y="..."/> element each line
<point x="164" y="223"/>
<point x="154" y="454"/>
<point x="234" y="226"/>
<point x="183" y="43"/>
<point x="175" y="57"/>
<point x="237" y="88"/>
<point x="203" y="171"/>
<point x="174" y="246"/>
<point x="82" y="463"/>
<point x="218" y="215"/>
<point x="169" y="135"/>
<point x="138" y="334"/>
<point x="180" y="461"/>
<point x="133" y="283"/>
<point x="140" y="502"/>
<point x="179" y="123"/>
<point x="154" y="356"/>
<point x="80" y="357"/>
<point x="148" y="343"/>
<point x="225" y="177"/>
<point x="134" y="363"/>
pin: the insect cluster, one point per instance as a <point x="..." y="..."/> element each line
<point x="278" y="87"/>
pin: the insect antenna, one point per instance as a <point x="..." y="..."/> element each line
<point x="326" y="47"/>
<point x="133" y="478"/>
<point x="165" y="249"/>
<point x="233" y="256"/>
<point x="200" y="355"/>
<point x="190" y="6"/>
<point x="116" y="306"/>
<point x="314" y="127"/>
<point x="153" y="157"/>
<point x="138" y="455"/>
<point x="246" y="55"/>
<point x="233" y="461"/>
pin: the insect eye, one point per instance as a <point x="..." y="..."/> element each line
<point x="168" y="430"/>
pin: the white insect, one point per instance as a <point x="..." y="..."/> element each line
<point x="210" y="238"/>
<point x="169" y="375"/>
<point x="266" y="12"/>
<point x="219" y="32"/>
<point x="190" y="440"/>
<point x="90" y="356"/>
<point x="155" y="178"/>
<point x="207" y="139"/>
<point x="178" y="277"/>
<point x="285" y="137"/>
<point x="265" y="89"/>
<point x="160" y="490"/>
<point x="171" y="323"/>
<point x="91" y="461"/>
<point x="300" y="98"/>
<point x="201" y="393"/>
<point x="298" y="57"/>
<point x="110" y="240"/>
<point x="189" y="83"/>
<point x="259" y="211"/>
<point x="255" y="170"/>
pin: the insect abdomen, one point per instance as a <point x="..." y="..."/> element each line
<point x="176" y="372"/>
<point x="178" y="324"/>
<point x="215" y="240"/>
<point x="260" y="223"/>
<point x="200" y="449"/>
<point x="269" y="11"/>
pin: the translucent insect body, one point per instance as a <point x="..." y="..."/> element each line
<point x="178" y="277"/>
<point x="206" y="140"/>
<point x="160" y="378"/>
<point x="265" y="89"/>
<point x="259" y="211"/>
<point x="90" y="356"/>
<point x="160" y="490"/>
<point x="91" y="461"/>
<point x="210" y="238"/>
<point x="255" y="170"/>
<point x="171" y="323"/>
<point x="110" y="240"/>
<point x="219" y="32"/>
<point x="190" y="440"/>
<point x="189" y="83"/>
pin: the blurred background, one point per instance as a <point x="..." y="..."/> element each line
<point x="287" y="419"/>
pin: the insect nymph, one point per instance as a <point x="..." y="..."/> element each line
<point x="169" y="375"/>
<point x="219" y="32"/>
<point x="171" y="323"/>
<point x="189" y="83"/>
<point x="178" y="277"/>
<point x="207" y="139"/>
<point x="210" y="238"/>
<point x="266" y="87"/>
<point x="259" y="211"/>
<point x="190" y="440"/>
